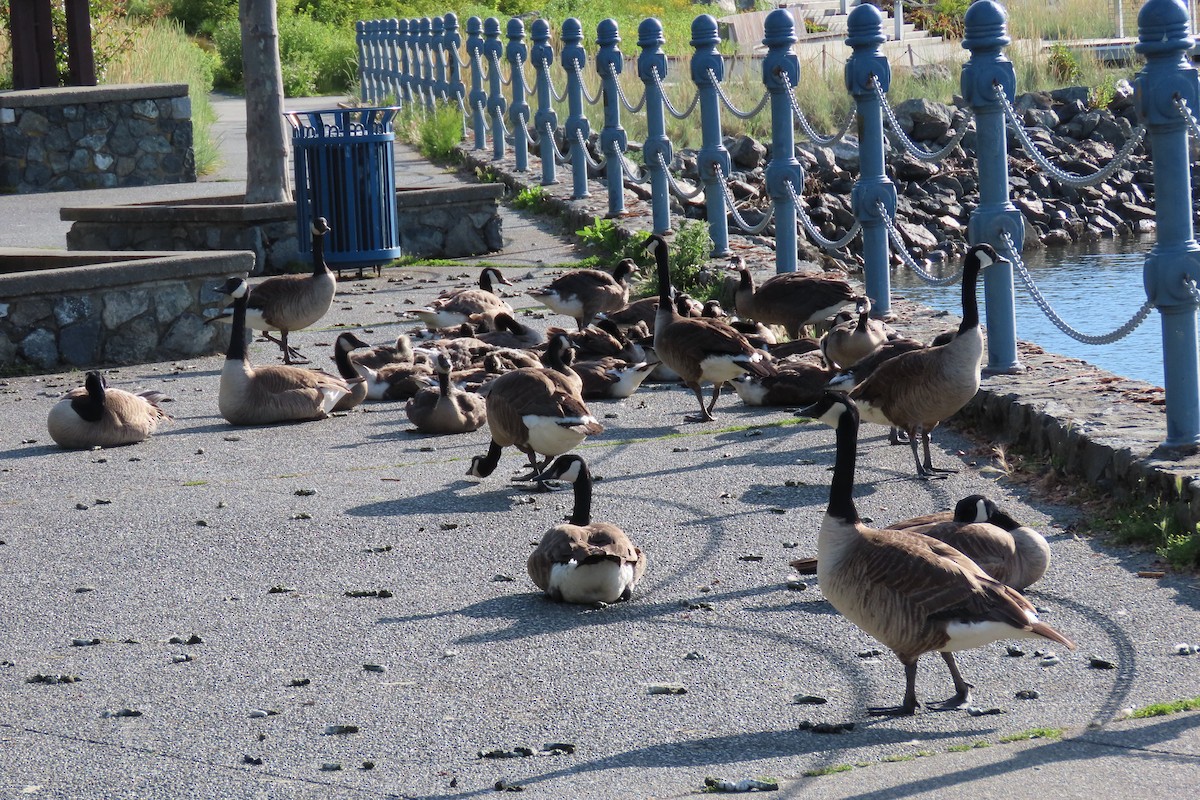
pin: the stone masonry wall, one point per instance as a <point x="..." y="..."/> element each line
<point x="95" y="138"/>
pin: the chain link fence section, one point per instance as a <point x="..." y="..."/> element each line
<point x="712" y="76"/>
<point x="662" y="92"/>
<point x="676" y="187"/>
<point x="911" y="147"/>
<point x="589" y="99"/>
<point x="633" y="109"/>
<point x="901" y="250"/>
<point x="811" y="229"/>
<point x="1120" y="333"/>
<point x="496" y="66"/>
<point x="806" y="126"/>
<point x="731" y="204"/>
<point x="545" y="67"/>
<point x="1060" y="175"/>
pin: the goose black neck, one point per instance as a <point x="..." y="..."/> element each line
<point x="90" y="406"/>
<point x="318" y="254"/>
<point x="664" y="277"/>
<point x="970" y="317"/>
<point x="485" y="282"/>
<point x="746" y="282"/>
<point x="341" y="357"/>
<point x="582" y="513"/>
<point x="237" y="333"/>
<point x="443" y="383"/>
<point x="554" y="357"/>
<point x="841" y="488"/>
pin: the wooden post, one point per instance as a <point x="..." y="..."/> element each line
<point x="81" y="62"/>
<point x="32" y="44"/>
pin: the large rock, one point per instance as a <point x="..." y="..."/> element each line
<point x="924" y="120"/>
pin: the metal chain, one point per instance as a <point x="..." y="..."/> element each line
<point x="677" y="188"/>
<point x="525" y="128"/>
<point x="559" y="158"/>
<point x="636" y="177"/>
<point x="731" y="204"/>
<point x="1063" y="177"/>
<point x="457" y="56"/>
<point x="901" y="250"/>
<point x="496" y="66"/>
<point x="811" y="229"/>
<point x="911" y="147"/>
<point x="712" y="76"/>
<point x="558" y="98"/>
<point x="462" y="106"/>
<point x="1042" y="303"/>
<point x="806" y="126"/>
<point x="612" y="68"/>
<point x="662" y="92"/>
<point x="521" y="67"/>
<point x="591" y="162"/>
<point x="482" y="109"/>
<point x="500" y="126"/>
<point x="1187" y="114"/>
<point x="591" y="101"/>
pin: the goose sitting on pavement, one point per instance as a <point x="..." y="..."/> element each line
<point x="912" y="592"/>
<point x="584" y="293"/>
<point x="584" y="561"/>
<point x="791" y="299"/>
<point x="345" y="344"/>
<point x="95" y="415"/>
<point x="445" y="409"/>
<point x="453" y="308"/>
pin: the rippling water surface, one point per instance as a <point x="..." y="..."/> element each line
<point x="1095" y="289"/>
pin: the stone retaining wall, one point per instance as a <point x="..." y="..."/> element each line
<point x="78" y="309"/>
<point x="97" y="137"/>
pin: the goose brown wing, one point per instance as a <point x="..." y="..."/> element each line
<point x="581" y="281"/>
<point x="788" y="293"/>
<point x="279" y="378"/>
<point x="515" y="394"/>
<point x="273" y="291"/>
<point x="897" y="384"/>
<point x="132" y="409"/>
<point x="612" y="540"/>
<point x="989" y="546"/>
<point x="700" y="337"/>
<point x="558" y="546"/>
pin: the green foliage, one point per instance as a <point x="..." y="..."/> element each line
<point x="605" y="237"/>
<point x="531" y="198"/>
<point x="1152" y="524"/>
<point x="1164" y="709"/>
<point x="1034" y="733"/>
<point x="1064" y="65"/>
<point x="1101" y="95"/>
<point x="203" y="17"/>
<point x="689" y="251"/>
<point x="439" y="134"/>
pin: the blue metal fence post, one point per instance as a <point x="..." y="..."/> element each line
<point x="366" y="81"/>
<point x="657" y="151"/>
<point x="576" y="129"/>
<point x="478" y="96"/>
<point x="518" y="113"/>
<point x="451" y="41"/>
<point x="414" y="61"/>
<point x="613" y="141"/>
<point x="389" y="33"/>
<point x="423" y="44"/>
<point x="545" y="121"/>
<point x="406" y="75"/>
<point x="493" y="48"/>
<point x="865" y="29"/>
<point x="708" y="70"/>
<point x="1175" y="259"/>
<point x="437" y="54"/>
<point x="986" y="36"/>
<point x="781" y="72"/>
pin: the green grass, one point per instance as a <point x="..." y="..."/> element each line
<point x="1164" y="709"/>
<point x="830" y="770"/>
<point x="195" y="483"/>
<point x="1034" y="733"/>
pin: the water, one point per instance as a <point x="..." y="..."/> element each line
<point x="1094" y="288"/>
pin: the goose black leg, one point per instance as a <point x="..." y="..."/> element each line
<point x="705" y="414"/>
<point x="962" y="689"/>
<point x="909" y="706"/>
<point x="713" y="403"/>
<point x="929" y="467"/>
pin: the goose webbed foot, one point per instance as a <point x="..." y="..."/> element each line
<point x="897" y="436"/>
<point x="705" y="414"/>
<point x="701" y="417"/>
<point x="909" y="706"/>
<point x="956" y="703"/>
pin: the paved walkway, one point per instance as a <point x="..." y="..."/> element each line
<point x="251" y="539"/>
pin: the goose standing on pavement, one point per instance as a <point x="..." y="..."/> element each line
<point x="584" y="293"/>
<point x="912" y="592"/>
<point x="96" y="416"/>
<point x="453" y="308"/>
<point x="445" y="409"/>
<point x="287" y="303"/>
<point x="916" y="390"/>
<point x="584" y="561"/>
<point x="263" y="395"/>
<point x="790" y="299"/>
<point x="699" y="350"/>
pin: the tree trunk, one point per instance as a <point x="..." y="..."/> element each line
<point x="267" y="146"/>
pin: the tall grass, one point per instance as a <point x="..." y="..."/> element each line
<point x="164" y="54"/>
<point x="1069" y="19"/>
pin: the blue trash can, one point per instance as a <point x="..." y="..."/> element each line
<point x="345" y="163"/>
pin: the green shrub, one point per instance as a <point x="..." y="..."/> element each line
<point x="439" y="134"/>
<point x="688" y="252"/>
<point x="1064" y="65"/>
<point x="531" y="198"/>
<point x="203" y="17"/>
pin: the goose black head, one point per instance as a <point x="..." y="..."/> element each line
<point x="830" y="409"/>
<point x="713" y="310"/>
<point x="441" y="364"/>
<point x="348" y="341"/>
<point x="235" y="288"/>
<point x="974" y="508"/>
<point x="319" y="226"/>
<point x="625" y="267"/>
<point x="490" y="276"/>
<point x="568" y="469"/>
<point x="982" y="256"/>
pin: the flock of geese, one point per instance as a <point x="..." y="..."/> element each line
<point x="940" y="583"/>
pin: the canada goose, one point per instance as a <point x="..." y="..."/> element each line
<point x="600" y="340"/>
<point x="638" y="311"/>
<point x="537" y="410"/>
<point x="510" y="333"/>
<point x="790" y="299"/>
<point x="455" y="307"/>
<point x="287" y="303"/>
<point x="846" y="344"/>
<point x="798" y="383"/>
<point x="347" y="342"/>
<point x="394" y="382"/>
<point x="796" y="347"/>
<point x="584" y="293"/>
<point x="264" y="395"/>
<point x="687" y="307"/>
<point x="1012" y="553"/>
<point x="911" y="592"/>
<point x="917" y="390"/>
<point x="756" y="333"/>
<point x="611" y="378"/>
<point x="699" y="349"/>
<point x="381" y="355"/>
<point x="96" y="416"/>
<point x="445" y="409"/>
<point x="584" y="561"/>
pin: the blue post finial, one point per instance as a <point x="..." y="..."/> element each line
<point x="478" y="97"/>
<point x="576" y="129"/>
<point x="708" y="70"/>
<point x="545" y="120"/>
<point x="784" y="175"/>
<point x="493" y="50"/>
<point x="1167" y="78"/>
<point x="518" y="113"/>
<point x="995" y="218"/>
<point x="656" y="151"/>
<point x="864" y="68"/>
<point x="613" y="141"/>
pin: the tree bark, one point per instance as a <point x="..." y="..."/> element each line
<point x="267" y="145"/>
